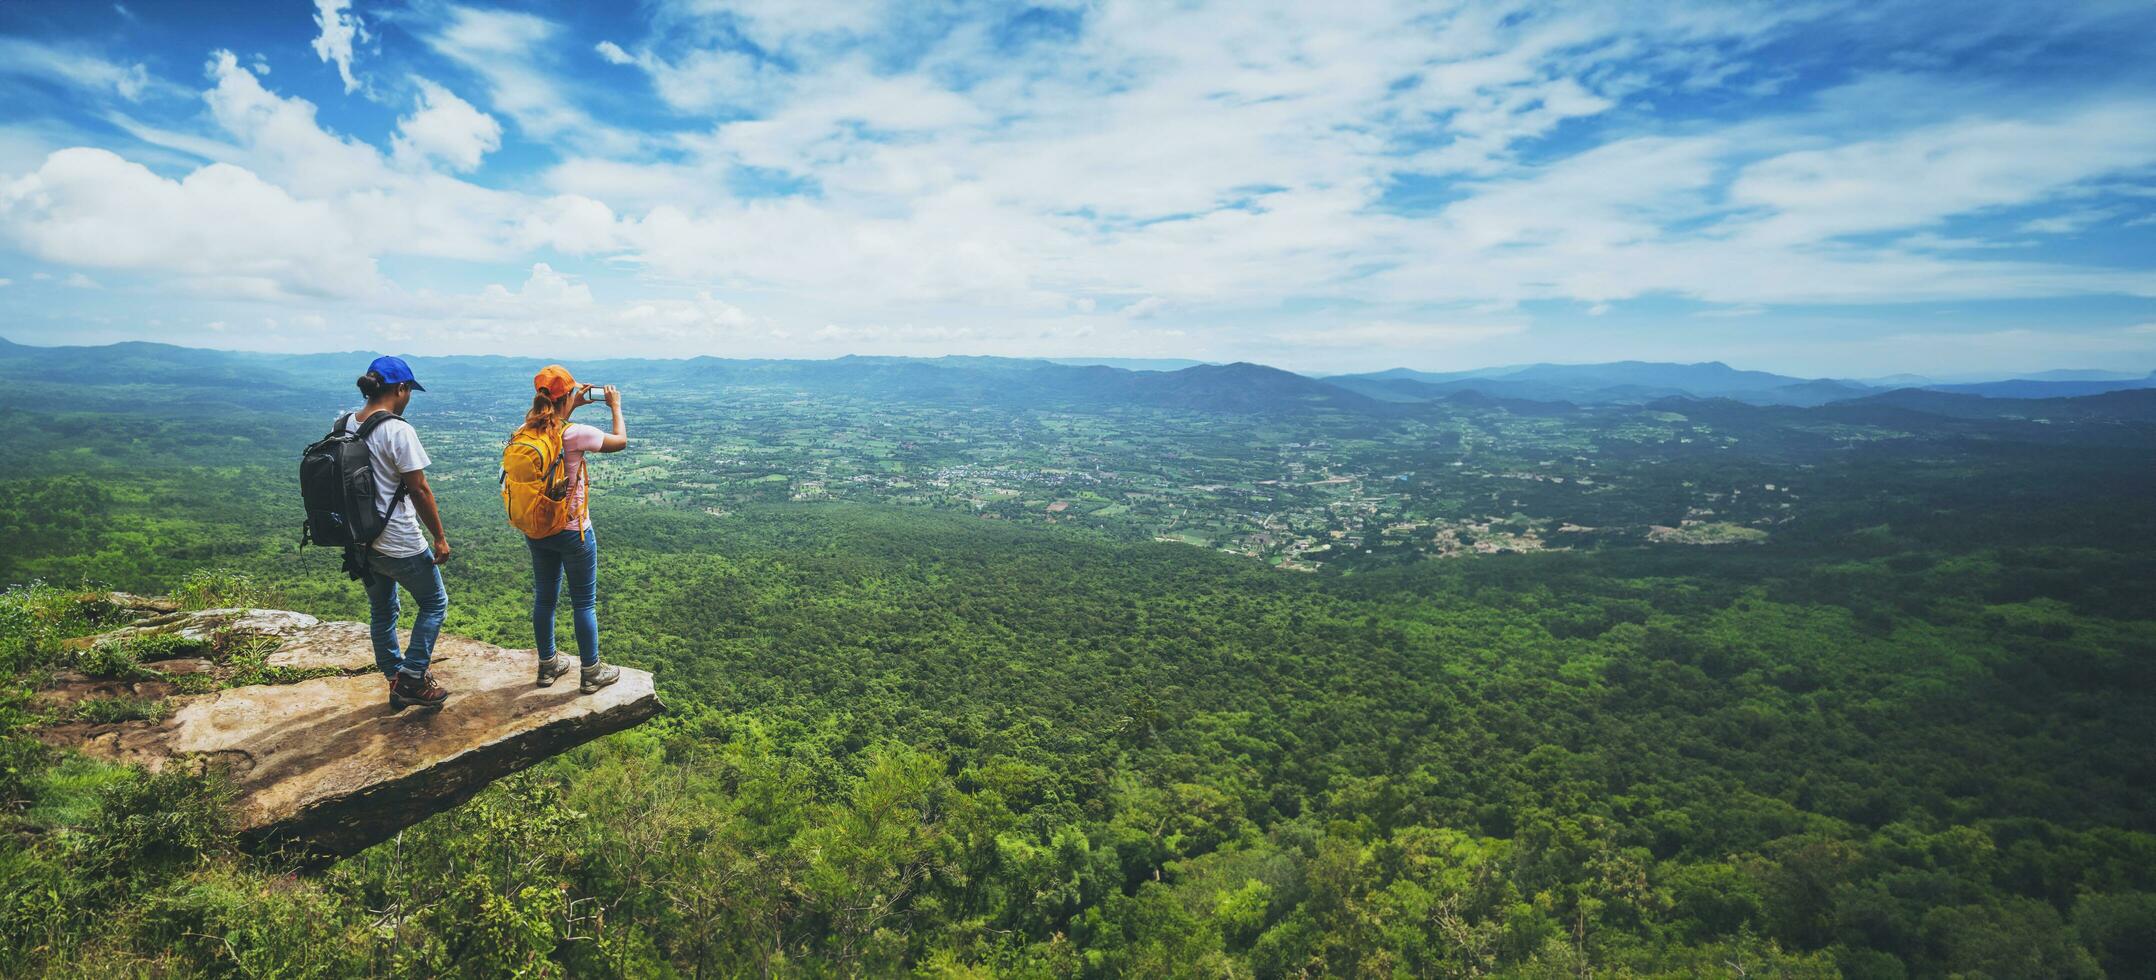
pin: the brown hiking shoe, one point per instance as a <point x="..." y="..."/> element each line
<point x="597" y="676"/>
<point x="552" y="667"/>
<point x="407" y="691"/>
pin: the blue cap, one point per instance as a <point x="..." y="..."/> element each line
<point x="394" y="371"/>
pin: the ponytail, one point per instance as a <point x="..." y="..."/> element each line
<point x="371" y="386"/>
<point x="546" y="413"/>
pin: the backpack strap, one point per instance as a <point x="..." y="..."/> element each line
<point x="390" y="511"/>
<point x="583" y="477"/>
<point x="342" y="421"/>
<point x="366" y="429"/>
<point x="374" y="422"/>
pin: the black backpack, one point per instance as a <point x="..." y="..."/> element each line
<point x="336" y="480"/>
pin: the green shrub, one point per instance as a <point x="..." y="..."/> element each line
<point x="219" y="588"/>
<point x="106" y="711"/>
<point x="229" y="645"/>
<point x="224" y="920"/>
<point x="123" y="659"/>
<point x="33" y="618"/>
<point x="154" y="824"/>
<point x="117" y="661"/>
<point x="68" y="792"/>
<point x="22" y="759"/>
<point x="195" y="684"/>
<point x="165" y="646"/>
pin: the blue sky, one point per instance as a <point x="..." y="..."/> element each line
<point x="1844" y="189"/>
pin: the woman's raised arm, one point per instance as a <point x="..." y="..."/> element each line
<point x="618" y="439"/>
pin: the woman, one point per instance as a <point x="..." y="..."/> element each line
<point x="575" y="551"/>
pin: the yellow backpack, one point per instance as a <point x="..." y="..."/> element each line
<point x="535" y="486"/>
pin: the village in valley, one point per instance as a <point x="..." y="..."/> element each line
<point x="1299" y="493"/>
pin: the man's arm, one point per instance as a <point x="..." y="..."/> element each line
<point x="422" y="496"/>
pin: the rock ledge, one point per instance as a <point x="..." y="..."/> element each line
<point x="323" y="767"/>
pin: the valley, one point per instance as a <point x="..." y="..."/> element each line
<point x="1128" y="673"/>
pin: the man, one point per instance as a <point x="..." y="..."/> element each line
<point x="400" y="556"/>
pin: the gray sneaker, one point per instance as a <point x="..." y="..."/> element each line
<point x="552" y="667"/>
<point x="597" y="676"/>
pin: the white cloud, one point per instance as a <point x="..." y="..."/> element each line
<point x="445" y="128"/>
<point x="571" y="223"/>
<point x="2069" y="222"/>
<point x="613" y="53"/>
<point x="1727" y="312"/>
<point x="509" y="51"/>
<point x="1916" y="178"/>
<point x="558" y="306"/>
<point x="292" y="209"/>
<point x="77" y="280"/>
<point x="340" y="27"/>
<point x="1137" y="163"/>
<point x="547" y="287"/>
<point x="704" y="80"/>
<point x="1398" y="335"/>
<point x="19" y="56"/>
<point x="283" y="140"/>
<point x="2020" y="339"/>
<point x="384" y="207"/>
<point x="1143" y="308"/>
<point x="1932" y="242"/>
<point x="88" y="207"/>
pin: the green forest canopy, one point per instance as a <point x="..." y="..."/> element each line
<point x="1908" y="739"/>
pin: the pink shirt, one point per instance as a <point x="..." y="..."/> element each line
<point x="576" y="440"/>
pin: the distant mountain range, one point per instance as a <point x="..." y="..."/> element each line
<point x="1618" y="382"/>
<point x="2036" y="388"/>
<point x="1639" y="382"/>
<point x="2126" y="403"/>
<point x="1131" y="363"/>
<point x="207" y="376"/>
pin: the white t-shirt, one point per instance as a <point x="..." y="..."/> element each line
<point x="396" y="450"/>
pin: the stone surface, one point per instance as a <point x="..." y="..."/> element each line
<point x="206" y="624"/>
<point x="327" y="646"/>
<point x="325" y="768"/>
<point x="140" y="605"/>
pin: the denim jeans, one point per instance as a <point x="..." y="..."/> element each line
<point x="576" y="554"/>
<point x="424" y="581"/>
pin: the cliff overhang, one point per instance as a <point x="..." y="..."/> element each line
<point x="321" y="765"/>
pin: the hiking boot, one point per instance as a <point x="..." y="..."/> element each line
<point x="552" y="667"/>
<point x="407" y="691"/>
<point x="597" y="676"/>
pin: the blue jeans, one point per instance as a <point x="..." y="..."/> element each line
<point x="575" y="553"/>
<point x="424" y="581"/>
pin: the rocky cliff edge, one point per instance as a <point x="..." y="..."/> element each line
<point x="291" y="709"/>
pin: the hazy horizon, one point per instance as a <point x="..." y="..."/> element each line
<point x="1837" y="190"/>
<point x="2082" y="372"/>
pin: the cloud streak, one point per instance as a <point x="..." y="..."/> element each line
<point x="339" y="28"/>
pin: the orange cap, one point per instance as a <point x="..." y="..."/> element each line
<point x="555" y="381"/>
